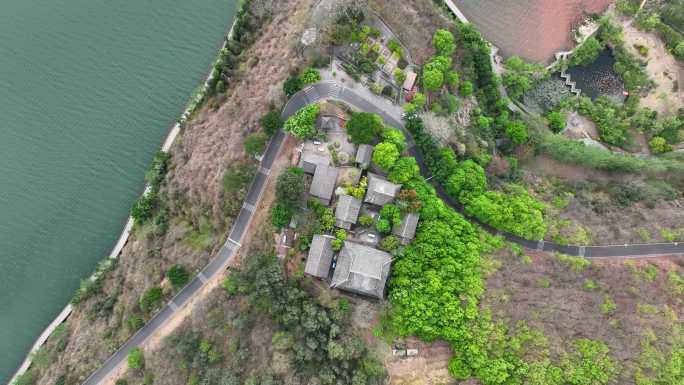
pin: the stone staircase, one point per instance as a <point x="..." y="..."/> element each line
<point x="568" y="82"/>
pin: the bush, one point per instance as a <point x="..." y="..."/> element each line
<point x="310" y="76"/>
<point x="271" y="122"/>
<point x="255" y="143"/>
<point x="556" y="121"/>
<point x="466" y="88"/>
<point x="385" y="155"/>
<point x="292" y="85"/>
<point x="659" y="145"/>
<point x="390" y="243"/>
<point x="144" y="207"/>
<point x="587" y="52"/>
<point x="432" y="80"/>
<point x="157" y="170"/>
<point x="302" y="123"/>
<point x="178" y="276"/>
<point x="443" y="41"/>
<point x="136" y="359"/>
<point x="399" y="76"/>
<point x="150" y="298"/>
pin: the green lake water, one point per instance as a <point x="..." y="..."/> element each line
<point x="88" y="91"/>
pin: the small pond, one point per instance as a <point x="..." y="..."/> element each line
<point x="599" y="78"/>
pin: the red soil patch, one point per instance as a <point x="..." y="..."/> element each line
<point x="531" y="29"/>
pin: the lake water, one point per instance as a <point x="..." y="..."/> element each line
<point x="88" y="91"/>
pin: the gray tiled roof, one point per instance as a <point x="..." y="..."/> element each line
<point x="323" y="184"/>
<point x="406" y="230"/>
<point x="320" y="256"/>
<point x="380" y="191"/>
<point x="362" y="269"/>
<point x="364" y="155"/>
<point x="347" y="211"/>
<point x="310" y="159"/>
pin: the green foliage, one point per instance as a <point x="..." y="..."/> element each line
<point x="517" y="131"/>
<point x="391" y="213"/>
<point x="364" y="127"/>
<point x="150" y="298"/>
<point x="136" y="359"/>
<point x="399" y="76"/>
<point x="178" y="276"/>
<point x="419" y="99"/>
<point x="390" y="243"/>
<point x="366" y="220"/>
<point x="409" y="108"/>
<point x="385" y="155"/>
<point x="292" y="85"/>
<point x="587" y="52"/>
<point x="290" y="186"/>
<point x="157" y="170"/>
<point x="302" y="123"/>
<point x="443" y="41"/>
<point x="519" y="76"/>
<point x="589" y="364"/>
<point x="383" y="226"/>
<point x="281" y="216"/>
<point x="143" y="209"/>
<point x="575" y="264"/>
<point x="321" y="345"/>
<point x="659" y="145"/>
<point x="451" y="78"/>
<point x="516" y="212"/>
<point x="310" y="76"/>
<point x="255" y="143"/>
<point x="394" y="136"/>
<point x="236" y="180"/>
<point x="466" y="88"/>
<point x="556" y="121"/>
<point x="271" y="122"/>
<point x="358" y="191"/>
<point x="676" y="282"/>
<point x="466" y="180"/>
<point x="432" y="80"/>
<point x="404" y="170"/>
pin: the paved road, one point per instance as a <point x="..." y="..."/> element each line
<point x="391" y="115"/>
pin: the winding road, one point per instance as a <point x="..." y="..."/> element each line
<point x="392" y="116"/>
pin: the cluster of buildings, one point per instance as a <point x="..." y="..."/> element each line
<point x="360" y="266"/>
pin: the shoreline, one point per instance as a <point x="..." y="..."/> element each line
<point x="194" y="102"/>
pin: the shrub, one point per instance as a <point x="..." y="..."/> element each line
<point x="517" y="131"/>
<point x="466" y="88"/>
<point x="366" y="220"/>
<point x="517" y="213"/>
<point x="383" y="226"/>
<point x="178" y="276"/>
<point x="391" y="213"/>
<point x="419" y="99"/>
<point x="255" y="143"/>
<point x="659" y="145"/>
<point x="385" y="155"/>
<point x="271" y="122"/>
<point x="310" y="76"/>
<point x="404" y="170"/>
<point x="150" y="298"/>
<point x="292" y="85"/>
<point x="394" y="136"/>
<point x="556" y="121"/>
<point x="302" y="123"/>
<point x="587" y="52"/>
<point x="144" y="207"/>
<point x="589" y="364"/>
<point x="364" y="127"/>
<point x="280" y="216"/>
<point x="432" y="80"/>
<point x="399" y="76"/>
<point x="136" y="359"/>
<point x="157" y="170"/>
<point x="390" y="243"/>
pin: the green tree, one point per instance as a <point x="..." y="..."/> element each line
<point x="383" y="226"/>
<point x="399" y="75"/>
<point x="556" y="121"/>
<point x="385" y="155"/>
<point x="587" y="52"/>
<point x="136" y="359"/>
<point x="178" y="276"/>
<point x="364" y="127"/>
<point x="310" y="76"/>
<point x="452" y="79"/>
<point x="404" y="170"/>
<point x="659" y="145"/>
<point x="391" y="213"/>
<point x="419" y="99"/>
<point x="589" y="364"/>
<point x="255" y="143"/>
<point x="467" y="181"/>
<point x="443" y="41"/>
<point x="292" y="85"/>
<point x="280" y="216"/>
<point x="302" y="123"/>
<point x="438" y="63"/>
<point x="394" y="136"/>
<point x="432" y="80"/>
<point x="271" y="122"/>
<point x="290" y="186"/>
<point x="517" y="131"/>
<point x="466" y="88"/>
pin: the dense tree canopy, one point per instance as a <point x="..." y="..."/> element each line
<point x="394" y="136"/>
<point x="404" y="170"/>
<point x="303" y="123"/>
<point x="443" y="41"/>
<point x="432" y="80"/>
<point x="364" y="127"/>
<point x="385" y="155"/>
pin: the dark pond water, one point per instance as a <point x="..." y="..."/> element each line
<point x="599" y="78"/>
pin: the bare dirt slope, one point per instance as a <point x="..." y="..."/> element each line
<point x="207" y="146"/>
